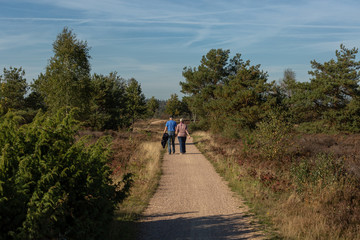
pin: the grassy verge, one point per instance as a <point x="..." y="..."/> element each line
<point x="145" y="165"/>
<point x="296" y="195"/>
<point x="141" y="155"/>
<point x="239" y="181"/>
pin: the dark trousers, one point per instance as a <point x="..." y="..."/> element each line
<point x="171" y="141"/>
<point x="182" y="141"/>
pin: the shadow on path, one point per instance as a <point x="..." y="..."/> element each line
<point x="208" y="227"/>
<point x="177" y="143"/>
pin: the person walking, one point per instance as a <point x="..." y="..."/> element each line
<point x="170" y="128"/>
<point x="182" y="132"/>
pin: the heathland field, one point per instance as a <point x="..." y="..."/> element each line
<point x="294" y="186"/>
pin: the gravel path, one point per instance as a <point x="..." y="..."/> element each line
<point x="193" y="202"/>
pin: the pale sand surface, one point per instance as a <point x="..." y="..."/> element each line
<point x="194" y="202"/>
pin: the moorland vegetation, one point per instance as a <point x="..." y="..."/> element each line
<point x="70" y="150"/>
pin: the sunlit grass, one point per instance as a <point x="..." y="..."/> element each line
<point x="145" y="165"/>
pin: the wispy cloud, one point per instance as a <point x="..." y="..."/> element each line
<point x="125" y="35"/>
<point x="42" y="19"/>
<point x="18" y="40"/>
<point x="200" y="35"/>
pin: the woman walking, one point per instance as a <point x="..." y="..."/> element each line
<point x="182" y="132"/>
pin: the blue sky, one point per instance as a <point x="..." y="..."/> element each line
<point x="153" y="40"/>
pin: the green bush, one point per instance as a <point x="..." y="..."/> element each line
<point x="271" y="136"/>
<point x="53" y="186"/>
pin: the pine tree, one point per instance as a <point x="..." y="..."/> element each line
<point x="201" y="82"/>
<point x="335" y="91"/>
<point x="13" y="89"/>
<point x="136" y="104"/>
<point x="174" y="106"/>
<point x="109" y="102"/>
<point x="152" y="106"/>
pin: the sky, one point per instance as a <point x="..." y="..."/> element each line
<point x="153" y="40"/>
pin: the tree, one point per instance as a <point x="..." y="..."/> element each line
<point x="108" y="102"/>
<point x="336" y="81"/>
<point x="335" y="88"/>
<point x="288" y="82"/>
<point x="136" y="104"/>
<point x="13" y="89"/>
<point x="201" y="82"/>
<point x="34" y="101"/>
<point x="66" y="82"/>
<point x="296" y="98"/>
<point x="174" y="106"/>
<point x="228" y="93"/>
<point x="152" y="106"/>
<point x="243" y="100"/>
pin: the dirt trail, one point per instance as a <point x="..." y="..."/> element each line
<point x="193" y="202"/>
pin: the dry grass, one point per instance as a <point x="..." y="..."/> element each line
<point x="296" y="219"/>
<point x="145" y="164"/>
<point x="320" y="211"/>
<point x="150" y="126"/>
<point x="139" y="153"/>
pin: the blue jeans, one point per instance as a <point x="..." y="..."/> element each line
<point x="171" y="141"/>
<point x="182" y="141"/>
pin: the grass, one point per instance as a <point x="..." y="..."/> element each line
<point x="325" y="208"/>
<point x="145" y="164"/>
<point x="140" y="154"/>
<point x="236" y="176"/>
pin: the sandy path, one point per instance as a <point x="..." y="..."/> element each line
<point x="193" y="202"/>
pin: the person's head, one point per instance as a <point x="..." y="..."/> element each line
<point x="171" y="117"/>
<point x="181" y="120"/>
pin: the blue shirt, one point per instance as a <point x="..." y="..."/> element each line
<point x="171" y="125"/>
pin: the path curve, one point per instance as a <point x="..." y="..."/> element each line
<point x="193" y="202"/>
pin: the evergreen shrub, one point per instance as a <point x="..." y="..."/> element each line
<point x="53" y="186"/>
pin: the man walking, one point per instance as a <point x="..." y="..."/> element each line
<point x="170" y="127"/>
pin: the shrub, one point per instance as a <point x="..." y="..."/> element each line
<point x="272" y="136"/>
<point x="52" y="186"/>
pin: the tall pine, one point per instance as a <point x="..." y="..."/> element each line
<point x="335" y="90"/>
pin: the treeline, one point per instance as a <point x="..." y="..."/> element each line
<point x="103" y="101"/>
<point x="228" y="95"/>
